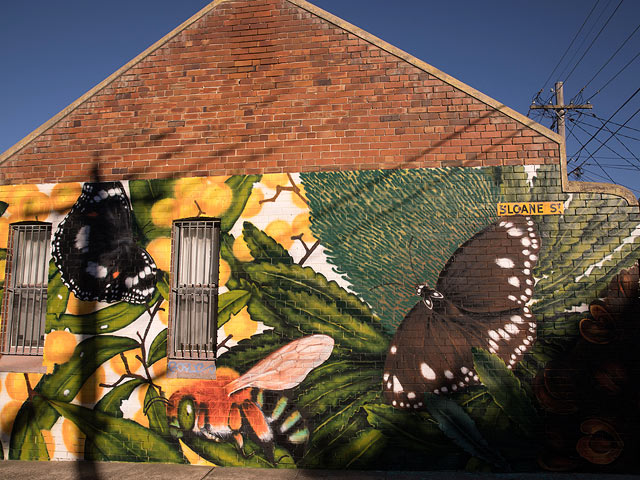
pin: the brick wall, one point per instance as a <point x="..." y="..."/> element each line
<point x="343" y="173"/>
<point x="265" y="86"/>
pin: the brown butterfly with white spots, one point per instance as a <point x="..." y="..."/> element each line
<point x="480" y="300"/>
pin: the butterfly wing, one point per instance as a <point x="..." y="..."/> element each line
<point x="95" y="252"/>
<point x="431" y="350"/>
<point x="480" y="301"/>
<point x="492" y="271"/>
<point x="428" y="353"/>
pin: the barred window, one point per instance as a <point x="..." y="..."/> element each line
<point x="25" y="303"/>
<point x="194" y="288"/>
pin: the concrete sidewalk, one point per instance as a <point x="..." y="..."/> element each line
<point x="14" y="470"/>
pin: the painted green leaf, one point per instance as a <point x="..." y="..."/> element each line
<point x="57" y="298"/>
<point x="3" y="207"/>
<point x="27" y="442"/>
<point x="119" y="439"/>
<point x="106" y="320"/>
<point x="3" y="253"/>
<point x="310" y="314"/>
<point x="363" y="449"/>
<point x="304" y="279"/>
<point x="162" y="284"/>
<point x="156" y="412"/>
<point x="112" y="401"/>
<point x="158" y="348"/>
<point x="320" y="398"/>
<point x="250" y="351"/>
<point x="412" y="430"/>
<point x="264" y="248"/>
<point x="458" y="426"/>
<point x="387" y="230"/>
<point x="322" y="453"/>
<point x="505" y="389"/>
<point x="242" y="185"/>
<point x="144" y="194"/>
<point x="330" y="425"/>
<point x="67" y="379"/>
<point x="111" y="404"/>
<point x="226" y="454"/>
<point x="230" y="303"/>
<point x="575" y="260"/>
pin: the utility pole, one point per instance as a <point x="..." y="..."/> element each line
<point x="560" y="108"/>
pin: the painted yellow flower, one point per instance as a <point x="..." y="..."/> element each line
<point x="224" y="272"/>
<point x="134" y="364"/>
<point x="64" y="195"/>
<point x="91" y="391"/>
<point x="73" y="438"/>
<point x="8" y="415"/>
<point x="253" y="205"/>
<point x="162" y="212"/>
<point x="58" y="348"/>
<point x="160" y="250"/>
<point x="241" y="250"/>
<point x="302" y="225"/>
<point x="240" y="326"/>
<point x="280" y="231"/>
<point x="31" y="206"/>
<point x="272" y="180"/>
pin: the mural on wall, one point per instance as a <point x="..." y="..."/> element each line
<point x="320" y="271"/>
<point x="95" y="252"/>
<point x="479" y="301"/>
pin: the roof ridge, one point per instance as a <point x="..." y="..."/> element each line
<point x="567" y="185"/>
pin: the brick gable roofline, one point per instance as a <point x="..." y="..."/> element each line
<point x="567" y="185"/>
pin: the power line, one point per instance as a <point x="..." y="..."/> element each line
<point x="612" y="135"/>
<point x="614" y="77"/>
<point x="612" y="123"/>
<point x="594" y="40"/>
<point x="569" y="47"/>
<point x="610" y="58"/>
<point x="584" y="39"/>
<point x="582" y="122"/>
<point x="611" y="149"/>
<point x="622" y="185"/>
<point x="613" y="115"/>
<point x="622" y="143"/>
<point x="617" y="166"/>
<point x="597" y="163"/>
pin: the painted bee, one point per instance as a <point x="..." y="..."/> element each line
<point x="235" y="405"/>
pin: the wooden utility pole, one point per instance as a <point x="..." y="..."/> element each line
<point x="560" y="108"/>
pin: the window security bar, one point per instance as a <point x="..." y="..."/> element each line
<point x="194" y="290"/>
<point x="26" y="288"/>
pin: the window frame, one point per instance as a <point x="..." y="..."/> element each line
<point x="13" y="355"/>
<point x="205" y="293"/>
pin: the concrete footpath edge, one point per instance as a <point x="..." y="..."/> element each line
<point x="12" y="469"/>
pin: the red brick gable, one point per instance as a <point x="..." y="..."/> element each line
<point x="266" y="86"/>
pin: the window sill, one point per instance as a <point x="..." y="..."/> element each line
<point x="22" y="364"/>
<point x="183" y="368"/>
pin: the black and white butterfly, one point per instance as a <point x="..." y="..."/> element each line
<point x="480" y="300"/>
<point x="95" y="251"/>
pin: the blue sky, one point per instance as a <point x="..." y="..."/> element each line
<point x="53" y="52"/>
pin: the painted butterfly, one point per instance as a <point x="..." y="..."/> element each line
<point x="480" y="300"/>
<point x="95" y="251"/>
<point x="233" y="405"/>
